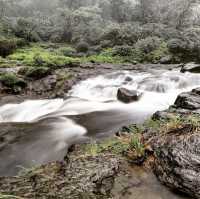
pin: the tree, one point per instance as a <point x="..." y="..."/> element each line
<point x="184" y="13"/>
<point x="3" y="7"/>
<point x="26" y="29"/>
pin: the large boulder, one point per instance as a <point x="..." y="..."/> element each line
<point x="177" y="148"/>
<point x="189" y="100"/>
<point x="191" y="67"/>
<point x="128" y="96"/>
<point x="178" y="159"/>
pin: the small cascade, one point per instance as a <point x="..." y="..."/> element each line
<point x="91" y="109"/>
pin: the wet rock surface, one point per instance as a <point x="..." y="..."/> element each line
<point x="128" y="96"/>
<point x="189" y="100"/>
<point x="177" y="151"/>
<point x="191" y="67"/>
<point x="178" y="159"/>
<point x="79" y="177"/>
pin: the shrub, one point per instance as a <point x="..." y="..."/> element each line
<point x="177" y="45"/>
<point x="37" y="56"/>
<point x="123" y="50"/>
<point x="185" y="49"/>
<point x="67" y="51"/>
<point x="156" y="55"/>
<point x="12" y="81"/>
<point x="21" y="42"/>
<point x="149" y="44"/>
<point x="82" y="47"/>
<point x="38" y="60"/>
<point x="7" y="46"/>
<point x="35" y="72"/>
<point x="105" y="56"/>
<point x="106" y="44"/>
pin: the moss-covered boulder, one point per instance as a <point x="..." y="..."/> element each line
<point x="11" y="80"/>
<point x="35" y="72"/>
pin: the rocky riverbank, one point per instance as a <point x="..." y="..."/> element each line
<point x="60" y="81"/>
<point x="168" y="144"/>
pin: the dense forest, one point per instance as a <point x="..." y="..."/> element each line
<point x="135" y="30"/>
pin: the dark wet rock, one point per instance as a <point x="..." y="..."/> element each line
<point x="79" y="177"/>
<point x="128" y="79"/>
<point x="128" y="96"/>
<point x="177" y="150"/>
<point x="178" y="159"/>
<point x="189" y="100"/>
<point x="191" y="67"/>
<point x="162" y="115"/>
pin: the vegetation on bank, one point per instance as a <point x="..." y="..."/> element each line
<point x="112" y="31"/>
<point x="130" y="141"/>
<point x="62" y="55"/>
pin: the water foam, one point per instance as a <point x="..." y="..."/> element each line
<point x="91" y="108"/>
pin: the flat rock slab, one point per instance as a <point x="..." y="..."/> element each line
<point x="80" y="177"/>
<point x="191" y="67"/>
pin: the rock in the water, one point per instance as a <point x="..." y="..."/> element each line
<point x="128" y="96"/>
<point x="178" y="159"/>
<point x="189" y="100"/>
<point x="191" y="67"/>
<point x="128" y="79"/>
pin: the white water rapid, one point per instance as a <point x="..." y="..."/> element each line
<point x="91" y="109"/>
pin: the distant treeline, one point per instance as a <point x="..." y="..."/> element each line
<point x="105" y="23"/>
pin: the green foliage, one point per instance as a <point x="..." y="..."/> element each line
<point x="123" y="51"/>
<point x="106" y="56"/>
<point x="12" y="81"/>
<point x="26" y="29"/>
<point x="6" y="63"/>
<point x="136" y="145"/>
<point x="35" y="72"/>
<point x="82" y="47"/>
<point x="156" y="55"/>
<point x="148" y="44"/>
<point x="7" y="46"/>
<point x="66" y="51"/>
<point x="113" y="145"/>
<point x="61" y="80"/>
<point x="37" y="56"/>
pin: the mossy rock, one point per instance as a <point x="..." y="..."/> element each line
<point x="11" y="80"/>
<point x="35" y="72"/>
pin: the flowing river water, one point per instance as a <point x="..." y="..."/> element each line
<point x="91" y="109"/>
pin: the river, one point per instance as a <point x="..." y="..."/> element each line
<point x="91" y="109"/>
